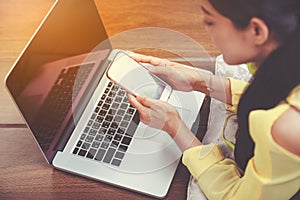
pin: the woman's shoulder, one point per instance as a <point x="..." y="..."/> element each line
<point x="286" y="129"/>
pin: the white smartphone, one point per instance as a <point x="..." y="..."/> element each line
<point x="136" y="79"/>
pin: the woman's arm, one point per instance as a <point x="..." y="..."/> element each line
<point x="185" y="78"/>
<point x="213" y="86"/>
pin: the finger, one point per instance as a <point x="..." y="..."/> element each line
<point x="150" y="59"/>
<point x="146" y="101"/>
<point x="135" y="103"/>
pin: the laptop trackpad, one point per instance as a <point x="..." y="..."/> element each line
<point x="152" y="149"/>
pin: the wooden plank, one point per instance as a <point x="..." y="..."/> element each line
<point x="180" y="16"/>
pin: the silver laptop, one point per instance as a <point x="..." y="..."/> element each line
<point x="82" y="121"/>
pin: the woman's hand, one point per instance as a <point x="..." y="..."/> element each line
<point x="163" y="116"/>
<point x="184" y="78"/>
<point x="156" y="114"/>
<point x="178" y="76"/>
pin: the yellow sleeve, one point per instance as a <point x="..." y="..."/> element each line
<point x="237" y="88"/>
<point x="272" y="173"/>
<point x="216" y="176"/>
<point x="219" y="178"/>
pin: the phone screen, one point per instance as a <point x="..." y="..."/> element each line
<point x="136" y="78"/>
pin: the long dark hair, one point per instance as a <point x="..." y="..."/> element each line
<point x="279" y="73"/>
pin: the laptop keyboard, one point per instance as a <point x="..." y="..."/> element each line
<point x="110" y="129"/>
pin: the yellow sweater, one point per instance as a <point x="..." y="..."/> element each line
<point x="273" y="172"/>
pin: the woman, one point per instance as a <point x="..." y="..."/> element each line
<point x="267" y="150"/>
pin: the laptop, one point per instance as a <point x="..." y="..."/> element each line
<point x="82" y="121"/>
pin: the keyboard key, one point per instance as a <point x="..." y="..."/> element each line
<point x="110" y="153"/>
<point x="109" y="118"/>
<point x="126" y="140"/>
<point x="103" y="97"/>
<point x="118" y="137"/>
<point x="130" y="110"/>
<point x="79" y="143"/>
<point x="114" y="144"/>
<point x="99" y="138"/>
<point x="114" y="125"/>
<point x="124" y="123"/>
<point x="104" y="145"/>
<point x="121" y="93"/>
<point x="112" y="111"/>
<point x="117" y="118"/>
<point x="102" y="131"/>
<point x="112" y="94"/>
<point x="96" y="144"/>
<point x="100" y="103"/>
<point x="121" y="112"/>
<point x="82" y="152"/>
<point x="116" y="162"/>
<point x="123" y="148"/>
<point x="108" y="138"/>
<point x="125" y="99"/>
<point x="108" y="100"/>
<point x="93" y="116"/>
<point x="105" y="106"/>
<point x="91" y="153"/>
<point x="118" y="99"/>
<point x="90" y="122"/>
<point x="115" y="105"/>
<point x="97" y="109"/>
<point x="124" y="106"/>
<point x="93" y="132"/>
<point x="111" y="131"/>
<point x="121" y="130"/>
<point x="75" y="150"/>
<point x="86" y="146"/>
<point x="86" y="129"/>
<point x="96" y="125"/>
<point x="115" y="88"/>
<point x="106" y="91"/>
<point x="102" y="113"/>
<point x="105" y="124"/>
<point x="119" y="155"/>
<point x="89" y="139"/>
<point x="82" y="136"/>
<point x="127" y="117"/>
<point x="100" y="154"/>
<point x="99" y="119"/>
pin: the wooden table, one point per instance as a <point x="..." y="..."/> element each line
<point x="24" y="173"/>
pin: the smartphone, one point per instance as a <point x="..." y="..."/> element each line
<point x="136" y="79"/>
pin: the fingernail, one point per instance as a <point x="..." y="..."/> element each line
<point x="130" y="96"/>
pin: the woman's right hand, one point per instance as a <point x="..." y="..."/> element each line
<point x="178" y="76"/>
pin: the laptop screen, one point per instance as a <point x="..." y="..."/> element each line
<point x="42" y="82"/>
